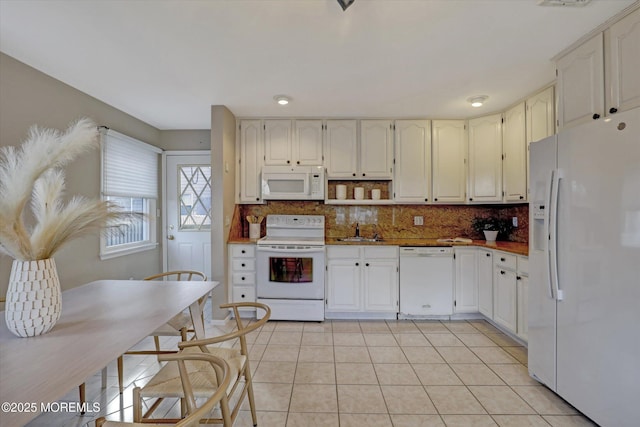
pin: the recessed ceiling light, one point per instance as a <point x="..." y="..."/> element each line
<point x="478" y="100"/>
<point x="282" y="99"/>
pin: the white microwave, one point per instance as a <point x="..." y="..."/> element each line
<point x="293" y="183"/>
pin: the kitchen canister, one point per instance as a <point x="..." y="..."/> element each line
<point x="254" y="231"/>
<point x="341" y="192"/>
<point x="375" y="194"/>
<point x="358" y="193"/>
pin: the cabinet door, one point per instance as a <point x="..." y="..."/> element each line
<point x="277" y="142"/>
<point x="449" y="146"/>
<point x="343" y="285"/>
<point x="514" y="162"/>
<point x="504" y="299"/>
<point x="523" y="301"/>
<point x="307" y="142"/>
<point x="485" y="159"/>
<point x="376" y="149"/>
<point x="485" y="283"/>
<point x="541" y="121"/>
<point x="250" y="159"/>
<point x="380" y="285"/>
<point x="341" y="149"/>
<point x="466" y="287"/>
<point x="623" y="64"/>
<point x="581" y="84"/>
<point x="412" y="179"/>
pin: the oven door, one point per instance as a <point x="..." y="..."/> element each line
<point x="290" y="272"/>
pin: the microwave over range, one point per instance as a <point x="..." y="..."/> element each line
<point x="293" y="183"/>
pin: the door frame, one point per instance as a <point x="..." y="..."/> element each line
<point x="165" y="153"/>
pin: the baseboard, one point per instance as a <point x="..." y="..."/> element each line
<point x="221" y="322"/>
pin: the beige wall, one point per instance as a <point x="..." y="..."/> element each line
<point x="29" y="97"/>
<point x="223" y="139"/>
<point x="185" y="140"/>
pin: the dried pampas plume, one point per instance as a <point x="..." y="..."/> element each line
<point x="33" y="172"/>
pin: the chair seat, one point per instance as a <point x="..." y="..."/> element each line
<point x="123" y="424"/>
<point x="167" y="383"/>
<point x="173" y="326"/>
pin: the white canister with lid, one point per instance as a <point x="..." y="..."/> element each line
<point x="358" y="193"/>
<point x="341" y="192"/>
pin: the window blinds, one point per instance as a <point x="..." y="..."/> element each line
<point x="129" y="166"/>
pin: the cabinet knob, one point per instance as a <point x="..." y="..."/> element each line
<point x="243" y="251"/>
<point x="502" y="272"/>
<point x="521" y="197"/>
<point x="242" y="296"/>
<point x="518" y="278"/>
<point x="354" y="174"/>
<point x="596" y="116"/>
<point x="435" y="200"/>
<point x="357" y="264"/>
<point x="503" y="259"/>
<point x="364" y="174"/>
<point x="426" y="200"/>
<point x="257" y="199"/>
<point x="613" y="110"/>
<point x="288" y="161"/>
<point x="488" y="254"/>
<point x="243" y="264"/>
<point x="298" y="162"/>
<point x="367" y="264"/>
<point x="242" y="278"/>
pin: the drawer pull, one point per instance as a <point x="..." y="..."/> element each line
<point x="242" y="277"/>
<point x="487" y="254"/>
<point x="242" y="296"/>
<point x="502" y="272"/>
<point x="243" y="251"/>
<point x="357" y="264"/>
<point x="367" y="264"/>
<point x="244" y="265"/>
<point x="503" y="259"/>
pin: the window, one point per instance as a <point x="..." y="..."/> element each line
<point x="129" y="179"/>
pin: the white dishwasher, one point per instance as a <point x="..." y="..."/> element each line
<point x="426" y="281"/>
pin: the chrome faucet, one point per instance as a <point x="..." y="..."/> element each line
<point x="357" y="230"/>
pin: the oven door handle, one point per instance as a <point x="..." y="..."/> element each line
<point x="291" y="250"/>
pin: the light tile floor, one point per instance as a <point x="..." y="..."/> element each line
<point x="373" y="373"/>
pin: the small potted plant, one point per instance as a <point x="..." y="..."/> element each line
<point x="492" y="227"/>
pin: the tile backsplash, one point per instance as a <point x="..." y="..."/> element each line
<point x="389" y="221"/>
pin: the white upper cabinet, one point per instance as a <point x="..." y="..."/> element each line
<point x="581" y="84"/>
<point x="277" y="142"/>
<point x="485" y="159"/>
<point x="412" y="178"/>
<point x="307" y="142"/>
<point x="449" y="163"/>
<point x="376" y="149"/>
<point x="250" y="160"/>
<point x="541" y="121"/>
<point x="288" y="142"/>
<point x="341" y="148"/>
<point x="622" y="47"/>
<point x="514" y="147"/>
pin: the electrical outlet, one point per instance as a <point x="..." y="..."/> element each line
<point x="418" y="220"/>
<point x="514" y="221"/>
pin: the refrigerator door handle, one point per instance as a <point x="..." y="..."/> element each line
<point x="547" y="230"/>
<point x="553" y="234"/>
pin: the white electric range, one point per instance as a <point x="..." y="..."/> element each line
<point x="290" y="267"/>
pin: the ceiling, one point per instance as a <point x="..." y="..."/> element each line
<point x="167" y="62"/>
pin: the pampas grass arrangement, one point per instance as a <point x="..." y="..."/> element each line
<point x="33" y="173"/>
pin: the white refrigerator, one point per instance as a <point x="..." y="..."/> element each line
<point x="584" y="253"/>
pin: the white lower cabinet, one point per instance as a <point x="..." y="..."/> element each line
<point x="362" y="279"/>
<point x="466" y="280"/>
<point x="485" y="282"/>
<point x="505" y="291"/>
<point x="523" y="297"/>
<point x="242" y="273"/>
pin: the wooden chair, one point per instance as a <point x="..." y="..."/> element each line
<point x="166" y="382"/>
<point x="179" y="325"/>
<point x="221" y="375"/>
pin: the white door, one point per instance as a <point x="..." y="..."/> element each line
<point x="188" y="212"/>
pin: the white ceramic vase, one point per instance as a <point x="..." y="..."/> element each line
<point x="490" y="235"/>
<point x="34" y="300"/>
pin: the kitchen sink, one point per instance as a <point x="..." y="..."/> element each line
<point x="359" y="239"/>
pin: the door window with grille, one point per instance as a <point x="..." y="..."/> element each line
<point x="194" y="189"/>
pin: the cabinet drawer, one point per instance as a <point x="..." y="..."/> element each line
<point x="523" y="266"/>
<point x="505" y="260"/>
<point x="244" y="264"/>
<point x="243" y="251"/>
<point x="343" y="252"/>
<point x="244" y="278"/>
<point x="380" y="252"/>
<point x="244" y="294"/>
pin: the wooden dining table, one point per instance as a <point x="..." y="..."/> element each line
<point x="100" y="321"/>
